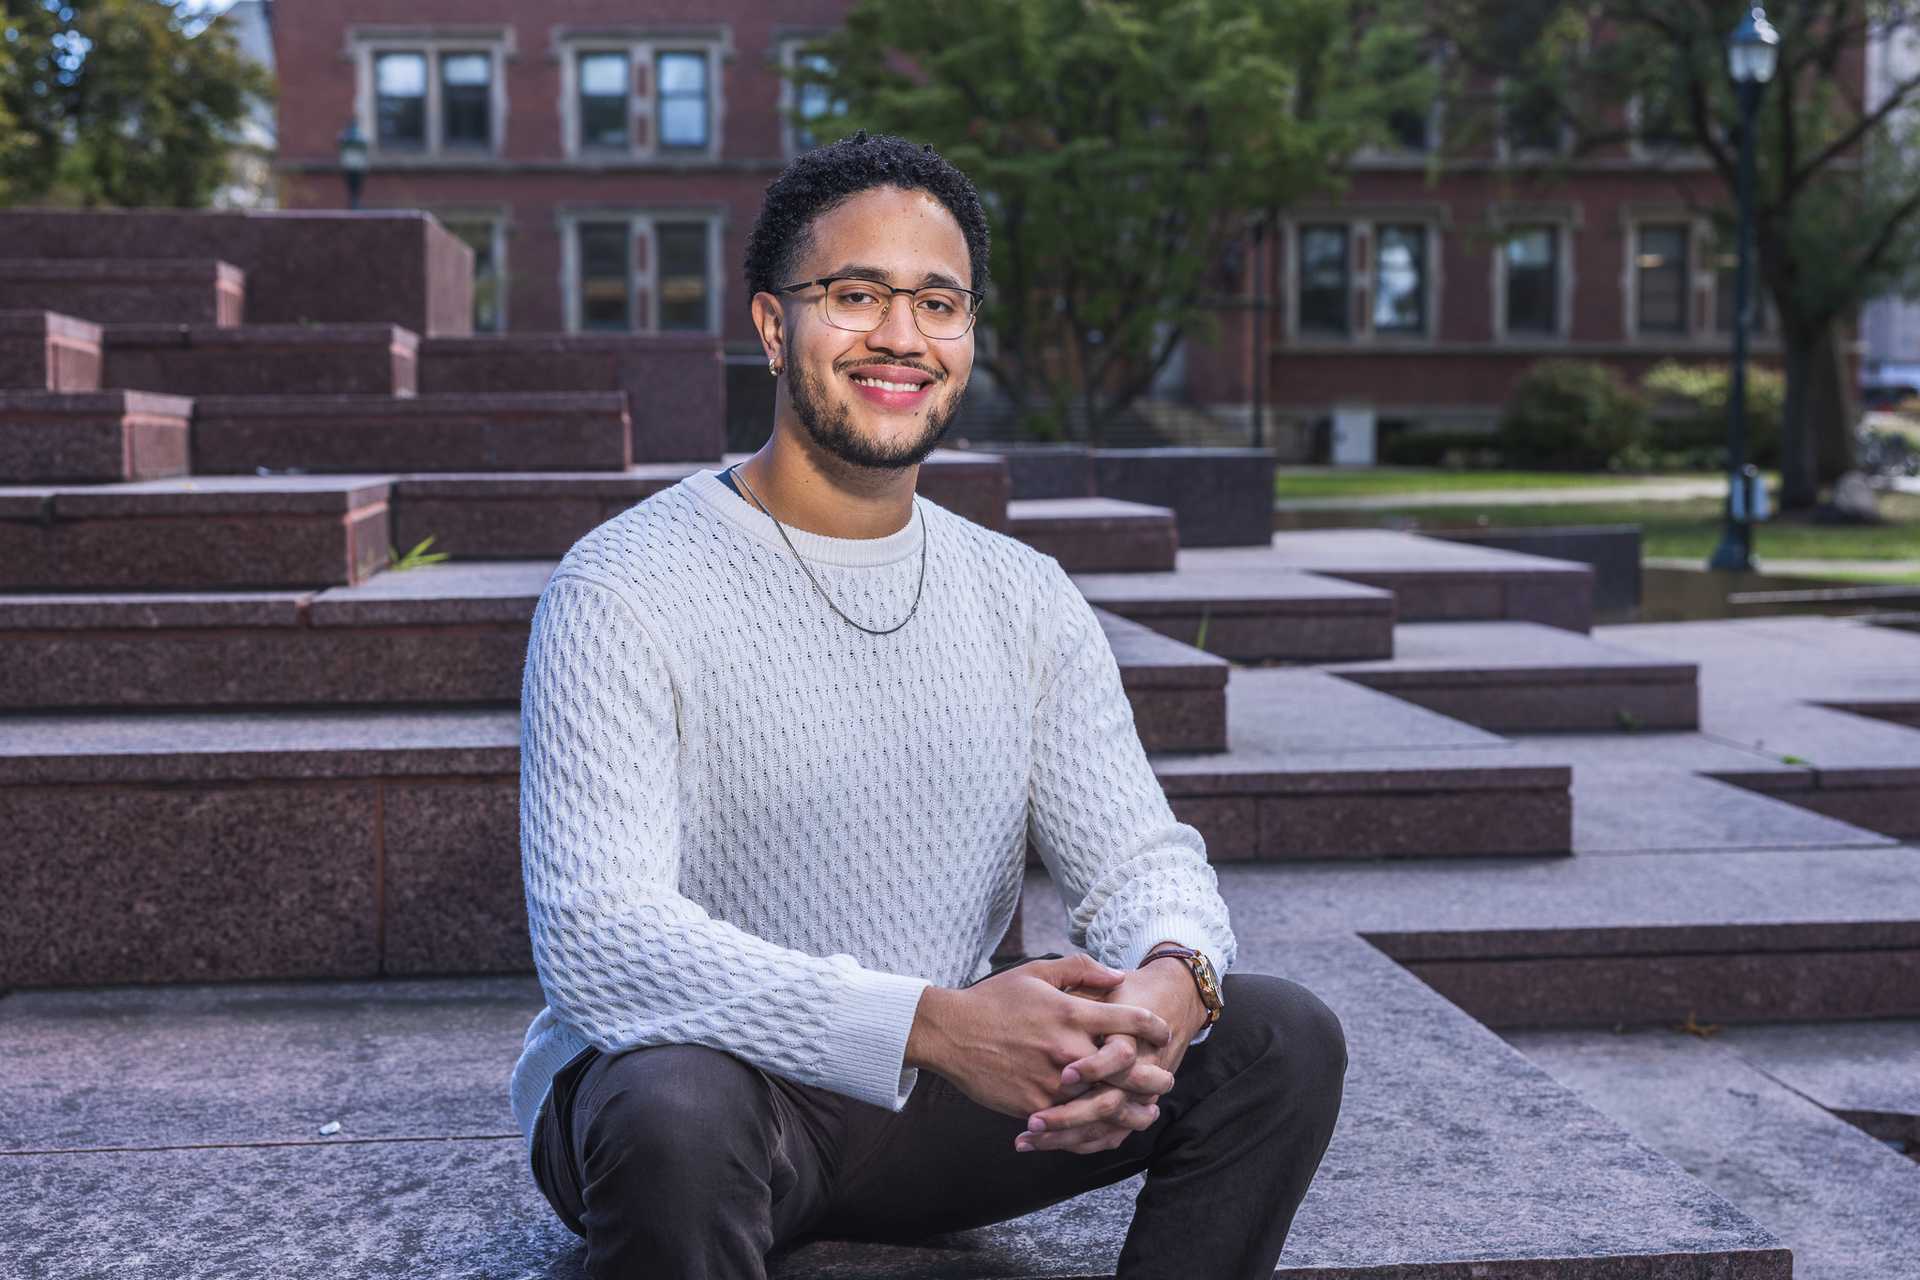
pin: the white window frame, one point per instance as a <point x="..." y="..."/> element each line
<point x="789" y="47"/>
<point x="1699" y="277"/>
<point x="498" y="218"/>
<point x="642" y="45"/>
<point x="1362" y="223"/>
<point x="364" y="42"/>
<point x="1565" y="222"/>
<point x="640" y="222"/>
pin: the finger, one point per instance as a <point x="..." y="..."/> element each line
<point x="1132" y="1117"/>
<point x="1098" y="1019"/>
<point x="1117" y="1055"/>
<point x="1102" y="1102"/>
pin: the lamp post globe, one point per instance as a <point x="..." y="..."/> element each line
<point x="353" y="160"/>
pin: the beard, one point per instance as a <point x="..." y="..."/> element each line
<point x="829" y="421"/>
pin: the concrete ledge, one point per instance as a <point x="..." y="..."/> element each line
<point x="1097" y="535"/>
<point x="200" y="359"/>
<point x="120" y="290"/>
<point x="523" y="431"/>
<point x="48" y="351"/>
<point x="106" y="437"/>
<point x="1251" y="613"/>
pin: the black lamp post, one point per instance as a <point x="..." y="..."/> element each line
<point x="353" y="160"/>
<point x="1752" y="52"/>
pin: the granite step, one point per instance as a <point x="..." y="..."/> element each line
<point x="447" y="634"/>
<point x="1432" y="579"/>
<point x="515" y="431"/>
<point x="48" y="351"/>
<point x="178" y="1105"/>
<point x="102" y="437"/>
<point x="1525" y="677"/>
<point x="1097" y="535"/>
<point x="128" y="290"/>
<point x="261" y="359"/>
<point x="1252" y="611"/>
<point x="675" y="383"/>
<point x="536" y="514"/>
<point x="207" y="533"/>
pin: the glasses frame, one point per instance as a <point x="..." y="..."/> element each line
<point x="827" y="282"/>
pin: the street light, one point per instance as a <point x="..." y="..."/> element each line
<point x="353" y="160"/>
<point x="1753" y="50"/>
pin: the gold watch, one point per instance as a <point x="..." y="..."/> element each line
<point x="1203" y="978"/>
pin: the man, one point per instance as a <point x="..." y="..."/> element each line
<point x="786" y="733"/>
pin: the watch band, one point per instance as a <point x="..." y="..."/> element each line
<point x="1200" y="968"/>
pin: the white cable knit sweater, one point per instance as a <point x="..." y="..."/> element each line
<point x="746" y="824"/>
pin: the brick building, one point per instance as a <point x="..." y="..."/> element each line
<point x="605" y="161"/>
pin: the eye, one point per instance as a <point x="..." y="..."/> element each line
<point x="852" y="295"/>
<point x="936" y="302"/>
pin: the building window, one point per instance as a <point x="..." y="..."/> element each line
<point x="683" y="290"/>
<point x="1531" y="260"/>
<point x="1660" y="278"/>
<point x="606" y="275"/>
<point x="1400" y="278"/>
<point x="482" y="235"/>
<point x="813" y="101"/>
<point x="682" y="103"/>
<point x="606" y="99"/>
<point x="1324" y="281"/>
<point x="400" y="100"/>
<point x="466" y="94"/>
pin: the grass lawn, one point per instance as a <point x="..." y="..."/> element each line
<point x="1346" y="482"/>
<point x="1692" y="528"/>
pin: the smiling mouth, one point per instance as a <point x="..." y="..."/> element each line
<point x="884" y="385"/>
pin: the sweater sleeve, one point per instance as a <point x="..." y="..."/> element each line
<point x="621" y="954"/>
<point x="1129" y="873"/>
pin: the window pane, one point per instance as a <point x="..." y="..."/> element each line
<point x="1400" y="279"/>
<point x="683" y="274"/>
<point x="1661" y="279"/>
<point x="1532" y="280"/>
<point x="465" y="103"/>
<point x="604" y="105"/>
<point x="812" y="100"/>
<point x="606" y="279"/>
<point x="400" y="99"/>
<point x="682" y="111"/>
<point x="478" y="234"/>
<point x="1323" y="279"/>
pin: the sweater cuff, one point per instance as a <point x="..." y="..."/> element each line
<point x="868" y="1050"/>
<point x="1188" y="932"/>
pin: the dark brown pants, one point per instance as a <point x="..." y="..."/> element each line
<point x="684" y="1161"/>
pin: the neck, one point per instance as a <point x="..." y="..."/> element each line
<point x="806" y="489"/>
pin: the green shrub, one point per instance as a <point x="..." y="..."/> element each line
<point x="1454" y="449"/>
<point x="1573" y="415"/>
<point x="1689" y="405"/>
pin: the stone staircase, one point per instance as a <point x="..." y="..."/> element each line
<point x="261" y="788"/>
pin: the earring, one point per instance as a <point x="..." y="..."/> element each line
<point x="773" y="367"/>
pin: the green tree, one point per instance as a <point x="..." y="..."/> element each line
<point x="119" y="102"/>
<point x="1836" y="186"/>
<point x="1120" y="148"/>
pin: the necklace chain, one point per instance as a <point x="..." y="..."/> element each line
<point x="734" y="471"/>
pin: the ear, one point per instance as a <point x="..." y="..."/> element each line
<point x="770" y="322"/>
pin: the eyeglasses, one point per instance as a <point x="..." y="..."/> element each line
<point x="859" y="305"/>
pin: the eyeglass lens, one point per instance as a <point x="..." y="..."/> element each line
<point x="859" y="305"/>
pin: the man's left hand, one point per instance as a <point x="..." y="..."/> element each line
<point x="1097" y="1112"/>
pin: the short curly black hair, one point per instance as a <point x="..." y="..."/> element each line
<point x="817" y="181"/>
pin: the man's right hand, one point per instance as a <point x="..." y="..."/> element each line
<point x="1004" y="1040"/>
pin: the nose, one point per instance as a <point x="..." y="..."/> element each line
<point x="897" y="333"/>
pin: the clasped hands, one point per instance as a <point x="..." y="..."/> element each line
<point x="1087" y="1071"/>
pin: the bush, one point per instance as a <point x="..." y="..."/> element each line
<point x="1573" y="415"/>
<point x="1690" y="412"/>
<point x="1440" y="449"/>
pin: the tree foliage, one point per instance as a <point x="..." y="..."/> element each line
<point x="1836" y="185"/>
<point x="1119" y="147"/>
<point x="119" y="102"/>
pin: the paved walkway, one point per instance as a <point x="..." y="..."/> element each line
<point x="1809" y="568"/>
<point x="1651" y="491"/>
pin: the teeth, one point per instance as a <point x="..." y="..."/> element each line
<point x="890" y="386"/>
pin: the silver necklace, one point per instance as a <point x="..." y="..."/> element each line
<point x="798" y="558"/>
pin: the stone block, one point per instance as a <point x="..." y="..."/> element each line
<point x="451" y="881"/>
<point x="261" y="359"/>
<point x="1251" y="614"/>
<point x="127" y="290"/>
<point x="52" y="437"/>
<point x="48" y="351"/>
<point x="1220" y="497"/>
<point x="674" y="383"/>
<point x="1097" y="535"/>
<point x="1612" y="550"/>
<point x="519" y="431"/>
<point x="308" y="266"/>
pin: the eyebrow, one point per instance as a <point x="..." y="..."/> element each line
<point x="866" y="272"/>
